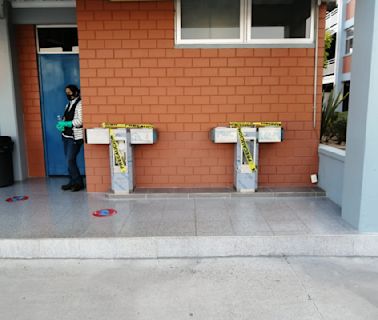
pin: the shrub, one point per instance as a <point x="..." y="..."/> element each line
<point x="329" y="113"/>
<point x="340" y="126"/>
<point x="327" y="45"/>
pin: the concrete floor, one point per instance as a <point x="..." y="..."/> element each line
<point x="52" y="213"/>
<point x="220" y="289"/>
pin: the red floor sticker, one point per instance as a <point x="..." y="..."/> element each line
<point x="104" y="213"/>
<point x="17" y="198"/>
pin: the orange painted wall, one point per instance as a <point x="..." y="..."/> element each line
<point x="131" y="73"/>
<point x="350" y="9"/>
<point x="28" y="72"/>
<point x="347" y="64"/>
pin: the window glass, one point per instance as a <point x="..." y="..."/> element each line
<point x="346" y="100"/>
<point x="210" y="19"/>
<point x="349" y="46"/>
<point x="349" y="41"/>
<point x="280" y="19"/>
<point x="57" y="39"/>
<point x="244" y="22"/>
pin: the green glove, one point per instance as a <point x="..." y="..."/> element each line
<point x="65" y="124"/>
<point x="60" y="127"/>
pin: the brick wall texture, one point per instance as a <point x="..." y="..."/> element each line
<point x="347" y="64"/>
<point x="30" y="98"/>
<point x="132" y="73"/>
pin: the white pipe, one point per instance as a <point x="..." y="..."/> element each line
<point x="316" y="63"/>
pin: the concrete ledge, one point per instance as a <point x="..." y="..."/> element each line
<point x="263" y="192"/>
<point x="332" y="152"/>
<point x="190" y="247"/>
<point x="331" y="171"/>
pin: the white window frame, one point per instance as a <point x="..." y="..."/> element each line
<point x="52" y="26"/>
<point x="245" y="31"/>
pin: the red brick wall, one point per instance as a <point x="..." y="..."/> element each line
<point x="131" y="73"/>
<point x="28" y="72"/>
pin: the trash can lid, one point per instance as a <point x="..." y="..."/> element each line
<point x="6" y="141"/>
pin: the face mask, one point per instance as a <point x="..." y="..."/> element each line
<point x="70" y="97"/>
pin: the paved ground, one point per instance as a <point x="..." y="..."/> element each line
<point x="53" y="213"/>
<point x="219" y="289"/>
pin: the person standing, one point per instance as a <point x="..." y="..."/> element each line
<point x="71" y="127"/>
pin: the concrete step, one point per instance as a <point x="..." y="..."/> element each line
<point x="347" y="245"/>
<point x="224" y="193"/>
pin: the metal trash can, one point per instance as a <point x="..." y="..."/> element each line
<point x="6" y="161"/>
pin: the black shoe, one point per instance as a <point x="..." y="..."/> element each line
<point x="76" y="187"/>
<point x="66" y="187"/>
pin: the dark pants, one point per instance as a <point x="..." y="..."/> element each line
<point x="71" y="150"/>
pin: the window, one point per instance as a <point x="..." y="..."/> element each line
<point x="349" y="41"/>
<point x="244" y="22"/>
<point x="281" y="19"/>
<point x="57" y="39"/>
<point x="346" y="91"/>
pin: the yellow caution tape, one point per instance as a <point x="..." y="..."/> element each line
<point x="240" y="124"/>
<point x="267" y="124"/>
<point x="255" y="124"/>
<point x="246" y="151"/>
<point x="126" y="126"/>
<point x="119" y="160"/>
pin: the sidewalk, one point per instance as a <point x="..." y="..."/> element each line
<point x="293" y="288"/>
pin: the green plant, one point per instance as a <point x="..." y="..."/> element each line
<point x="339" y="127"/>
<point x="329" y="114"/>
<point x="328" y="39"/>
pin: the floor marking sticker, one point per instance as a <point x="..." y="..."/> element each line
<point x="104" y="213"/>
<point x="17" y="198"/>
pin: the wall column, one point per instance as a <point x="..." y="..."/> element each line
<point x="360" y="190"/>
<point x="10" y="116"/>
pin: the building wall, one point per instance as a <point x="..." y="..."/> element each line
<point x="28" y="74"/>
<point x="350" y="9"/>
<point x="331" y="172"/>
<point x="347" y="64"/>
<point x="131" y="73"/>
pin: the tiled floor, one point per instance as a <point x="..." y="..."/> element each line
<point x="52" y="213"/>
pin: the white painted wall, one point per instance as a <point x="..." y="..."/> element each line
<point x="331" y="172"/>
<point x="361" y="163"/>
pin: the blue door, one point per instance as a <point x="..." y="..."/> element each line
<point x="55" y="72"/>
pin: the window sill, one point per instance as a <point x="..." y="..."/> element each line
<point x="251" y="45"/>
